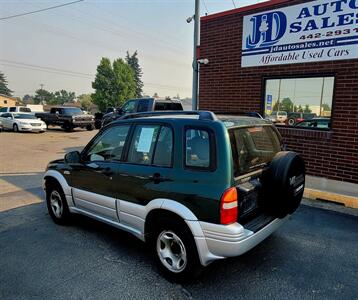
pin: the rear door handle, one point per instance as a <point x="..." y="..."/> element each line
<point x="107" y="172"/>
<point x="157" y="178"/>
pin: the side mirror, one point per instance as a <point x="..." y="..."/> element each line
<point x="73" y="157"/>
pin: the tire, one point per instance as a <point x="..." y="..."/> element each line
<point x="180" y="262"/>
<point x="291" y="122"/>
<point x="283" y="184"/>
<point x="68" y="127"/>
<point x="16" y="128"/>
<point x="57" y="204"/>
<point x="89" y="127"/>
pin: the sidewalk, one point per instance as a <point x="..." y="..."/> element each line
<point x="318" y="188"/>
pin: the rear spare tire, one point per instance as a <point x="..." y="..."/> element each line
<point x="283" y="184"/>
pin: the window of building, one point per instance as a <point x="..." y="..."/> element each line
<point x="5" y="101"/>
<point x="290" y="101"/>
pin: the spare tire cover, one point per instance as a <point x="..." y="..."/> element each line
<point x="283" y="184"/>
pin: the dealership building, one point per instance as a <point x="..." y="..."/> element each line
<point x="296" y="59"/>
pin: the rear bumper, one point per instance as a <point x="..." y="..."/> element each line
<point x="221" y="241"/>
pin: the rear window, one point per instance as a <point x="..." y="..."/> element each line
<point x="253" y="147"/>
<point x="168" y="106"/>
<point x="25" y="109"/>
<point x="72" y="111"/>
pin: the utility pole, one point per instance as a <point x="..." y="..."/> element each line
<point x="195" y="59"/>
<point x="42" y="99"/>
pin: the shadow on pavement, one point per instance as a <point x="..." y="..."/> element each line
<point x="311" y="256"/>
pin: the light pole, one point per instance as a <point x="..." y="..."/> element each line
<point x="196" y="18"/>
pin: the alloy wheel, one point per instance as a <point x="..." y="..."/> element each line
<point x="171" y="251"/>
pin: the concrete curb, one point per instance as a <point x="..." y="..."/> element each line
<point x="347" y="201"/>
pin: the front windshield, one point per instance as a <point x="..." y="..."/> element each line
<point x="24" y="116"/>
<point x="72" y="111"/>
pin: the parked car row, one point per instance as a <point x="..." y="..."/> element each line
<point x="292" y="118"/>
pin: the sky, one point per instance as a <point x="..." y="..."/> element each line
<point x="61" y="48"/>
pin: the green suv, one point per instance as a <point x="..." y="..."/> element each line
<point x="195" y="186"/>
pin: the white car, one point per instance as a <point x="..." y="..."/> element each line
<point x="278" y="117"/>
<point x="22" y="122"/>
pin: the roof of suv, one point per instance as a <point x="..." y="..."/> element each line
<point x="228" y="120"/>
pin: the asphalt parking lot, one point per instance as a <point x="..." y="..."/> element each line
<point x="313" y="256"/>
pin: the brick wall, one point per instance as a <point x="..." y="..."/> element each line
<point x="225" y="86"/>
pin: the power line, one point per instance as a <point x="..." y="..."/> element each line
<point x="206" y="8"/>
<point x="233" y="2"/>
<point x="69" y="73"/>
<point x="40" y="10"/>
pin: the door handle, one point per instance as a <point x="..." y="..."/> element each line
<point x="157" y="178"/>
<point x="107" y="172"/>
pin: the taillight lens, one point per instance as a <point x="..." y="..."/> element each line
<point x="229" y="207"/>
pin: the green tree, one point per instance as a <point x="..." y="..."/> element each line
<point x="326" y="107"/>
<point x="62" y="96"/>
<point x="299" y="109"/>
<point x="114" y="83"/>
<point x="3" y="85"/>
<point x="27" y="99"/>
<point x="43" y="96"/>
<point x="307" y="109"/>
<point x="86" y="101"/>
<point x="286" y="105"/>
<point x="132" y="60"/>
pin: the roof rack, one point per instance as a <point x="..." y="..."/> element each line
<point x="203" y="114"/>
<point x="253" y="114"/>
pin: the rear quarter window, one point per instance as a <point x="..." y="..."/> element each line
<point x="199" y="149"/>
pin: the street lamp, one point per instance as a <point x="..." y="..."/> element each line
<point x="196" y="18"/>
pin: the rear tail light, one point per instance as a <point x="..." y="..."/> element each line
<point x="229" y="207"/>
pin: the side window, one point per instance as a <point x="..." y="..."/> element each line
<point x="12" y="109"/>
<point x="109" y="145"/>
<point x="129" y="107"/>
<point x="197" y="145"/>
<point x="142" y="105"/>
<point x="143" y="144"/>
<point x="164" y="149"/>
<point x="3" y="109"/>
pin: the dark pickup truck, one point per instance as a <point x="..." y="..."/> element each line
<point x="68" y="118"/>
<point x="141" y="105"/>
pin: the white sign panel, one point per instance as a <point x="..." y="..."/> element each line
<point x="145" y="140"/>
<point x="314" y="31"/>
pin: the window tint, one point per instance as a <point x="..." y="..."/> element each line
<point x="129" y="107"/>
<point x="72" y="111"/>
<point x="12" y="109"/>
<point x="164" y="148"/>
<point x="109" y="145"/>
<point x="167" y="106"/>
<point x="299" y="98"/>
<point x="143" y="105"/>
<point x="251" y="147"/>
<point x="197" y="148"/>
<point x="24" y="109"/>
<point x="3" y="109"/>
<point x="143" y="142"/>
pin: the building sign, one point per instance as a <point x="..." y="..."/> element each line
<point x="315" y="31"/>
<point x="269" y="103"/>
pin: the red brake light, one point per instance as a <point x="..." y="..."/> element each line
<point x="228" y="207"/>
